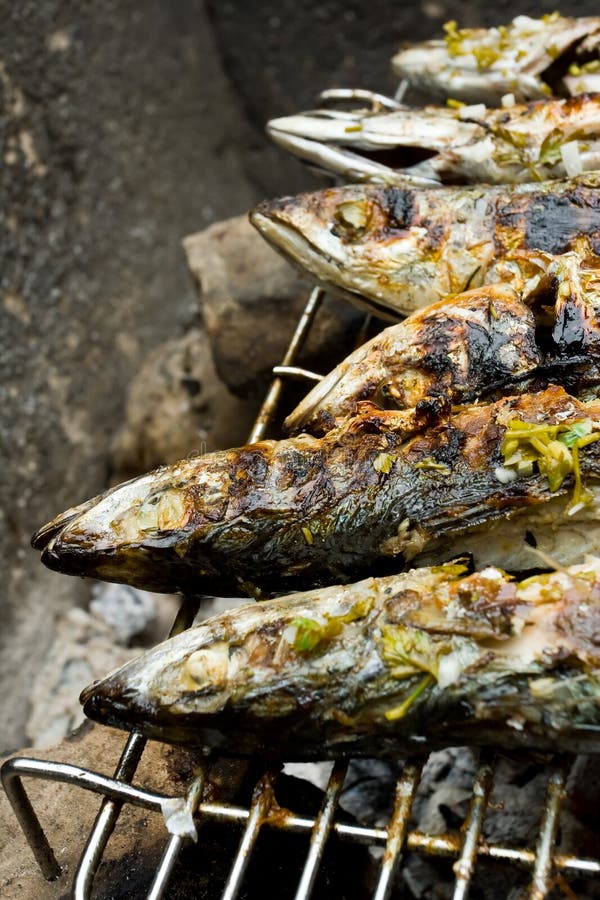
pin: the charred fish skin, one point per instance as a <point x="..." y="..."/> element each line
<point x="306" y="511"/>
<point x="477" y="345"/>
<point x="472" y="145"/>
<point x="528" y="58"/>
<point x="576" y="327"/>
<point x="386" y="666"/>
<point x="394" y="250"/>
<point x="455" y="351"/>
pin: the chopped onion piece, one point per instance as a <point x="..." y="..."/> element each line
<point x="508" y="100"/>
<point x="504" y="475"/>
<point x="477" y="111"/>
<point x="178" y="817"/>
<point x="571" y="158"/>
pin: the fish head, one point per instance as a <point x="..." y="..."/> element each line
<point x="244" y="681"/>
<point x="169" y="690"/>
<point x="214" y="684"/>
<point x="138" y="532"/>
<point x="373" y="232"/>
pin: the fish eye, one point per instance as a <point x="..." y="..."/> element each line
<point x="388" y="395"/>
<point x="209" y="666"/>
<point x="162" y="511"/>
<point x="351" y="219"/>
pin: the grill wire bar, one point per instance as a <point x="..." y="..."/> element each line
<point x="262" y="800"/>
<point x="322" y="829"/>
<point x="472" y="827"/>
<point x="548" y="830"/>
<point x="175" y="844"/>
<point x="464" y="847"/>
<point x="406" y="789"/>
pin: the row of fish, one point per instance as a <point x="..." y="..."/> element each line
<point x="471" y="427"/>
<point x="381" y="487"/>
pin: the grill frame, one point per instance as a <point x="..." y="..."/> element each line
<point x="465" y="846"/>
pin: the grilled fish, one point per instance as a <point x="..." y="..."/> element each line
<point x="393" y="665"/>
<point x="394" y="250"/>
<point x="454" y="351"/>
<point x="525" y="142"/>
<point x="529" y="58"/>
<point x="307" y="511"/>
<point x="472" y="346"/>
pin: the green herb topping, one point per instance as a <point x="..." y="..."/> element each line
<point x="313" y="635"/>
<point x="554" y="449"/>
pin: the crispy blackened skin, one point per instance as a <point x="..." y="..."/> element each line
<point x="455" y="351"/>
<point x="498" y="663"/>
<point x="575" y="342"/>
<point x="417" y="246"/>
<point x="302" y="512"/>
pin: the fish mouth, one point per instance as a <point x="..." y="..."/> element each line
<point x="154" y="565"/>
<point x="111" y="703"/>
<point x="78" y="551"/>
<point x="294" y="244"/>
<point x="69" y="558"/>
<point x="45" y="535"/>
<point x="323" y="126"/>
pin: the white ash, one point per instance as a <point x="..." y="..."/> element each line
<point x="316" y="773"/>
<point x="127" y="610"/>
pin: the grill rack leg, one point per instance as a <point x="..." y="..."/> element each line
<point x="16" y="768"/>
<point x="27" y="818"/>
<point x="406" y="788"/>
<point x="259" y="810"/>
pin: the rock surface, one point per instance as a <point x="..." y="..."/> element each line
<point x="126" y="610"/>
<point x="84" y="649"/>
<point x="118" y="134"/>
<point x="176" y="406"/>
<point x="251" y="299"/>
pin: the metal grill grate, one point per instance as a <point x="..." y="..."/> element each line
<point x="465" y="846"/>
